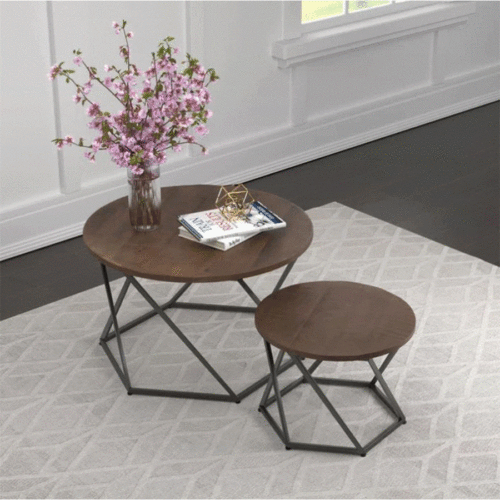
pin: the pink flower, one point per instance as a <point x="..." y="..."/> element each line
<point x="185" y="121"/>
<point x="115" y="25"/>
<point x="78" y="60"/>
<point x="136" y="170"/>
<point x="202" y="130"/>
<point x="107" y="68"/>
<point x="192" y="102"/>
<point x="130" y="34"/>
<point x="77" y="98"/>
<point x="93" y="109"/>
<point x="128" y="78"/>
<point x="90" y="157"/>
<point x="86" y="87"/>
<point x="54" y="71"/>
<point x="68" y="140"/>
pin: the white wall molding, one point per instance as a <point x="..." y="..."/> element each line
<point x="293" y="52"/>
<point x="58" y="217"/>
<point x="322" y="43"/>
<point x="54" y="219"/>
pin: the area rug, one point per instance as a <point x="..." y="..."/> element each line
<point x="69" y="430"/>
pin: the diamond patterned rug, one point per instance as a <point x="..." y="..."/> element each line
<point x="69" y="430"/>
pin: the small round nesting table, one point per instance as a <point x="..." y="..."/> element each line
<point x="332" y="321"/>
<point x="162" y="255"/>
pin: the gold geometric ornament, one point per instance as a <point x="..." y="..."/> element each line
<point x="234" y="204"/>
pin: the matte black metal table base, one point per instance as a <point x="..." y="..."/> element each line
<point x="281" y="427"/>
<point x="113" y="330"/>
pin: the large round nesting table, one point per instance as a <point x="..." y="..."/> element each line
<point x="162" y="255"/>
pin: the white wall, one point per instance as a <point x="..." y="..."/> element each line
<point x="341" y="100"/>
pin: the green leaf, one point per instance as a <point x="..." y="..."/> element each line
<point x="161" y="52"/>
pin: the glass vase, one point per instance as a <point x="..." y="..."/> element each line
<point x="144" y="198"/>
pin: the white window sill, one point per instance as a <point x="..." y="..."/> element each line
<point x="322" y="43"/>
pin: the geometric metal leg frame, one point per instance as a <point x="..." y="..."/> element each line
<point x="113" y="330"/>
<point x="384" y="395"/>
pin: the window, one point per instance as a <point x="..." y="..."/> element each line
<point x="361" y="23"/>
<point x="323" y="14"/>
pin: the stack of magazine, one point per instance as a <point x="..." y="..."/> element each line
<point x="211" y="228"/>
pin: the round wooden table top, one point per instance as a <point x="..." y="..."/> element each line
<point x="163" y="255"/>
<point x="335" y="321"/>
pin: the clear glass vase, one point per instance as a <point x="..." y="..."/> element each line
<point x="144" y="198"/>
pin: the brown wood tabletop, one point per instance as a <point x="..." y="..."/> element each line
<point x="335" y="320"/>
<point x="163" y="255"/>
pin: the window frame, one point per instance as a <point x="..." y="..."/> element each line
<point x="361" y="15"/>
<point x="299" y="46"/>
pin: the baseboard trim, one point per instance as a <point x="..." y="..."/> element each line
<point x="351" y="142"/>
<point x="42" y="240"/>
<point x="53" y="220"/>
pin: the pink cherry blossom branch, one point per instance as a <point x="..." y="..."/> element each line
<point x="154" y="120"/>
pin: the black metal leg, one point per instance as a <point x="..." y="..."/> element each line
<point x="393" y="403"/>
<point x="249" y="291"/>
<point x="159" y="310"/>
<point x="282" y="430"/>
<point x="123" y="371"/>
<point x="383" y="366"/>
<point x="270" y="383"/>
<point x="184" y="339"/>
<point x="329" y="405"/>
<point x="283" y="277"/>
<point x="106" y="332"/>
<point x="108" y="335"/>
<point x="268" y="400"/>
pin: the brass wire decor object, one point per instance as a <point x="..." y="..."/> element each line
<point x="234" y="204"/>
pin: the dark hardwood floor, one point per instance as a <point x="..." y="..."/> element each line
<point x="441" y="180"/>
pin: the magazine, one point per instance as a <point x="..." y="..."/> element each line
<point x="210" y="225"/>
<point x="221" y="244"/>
